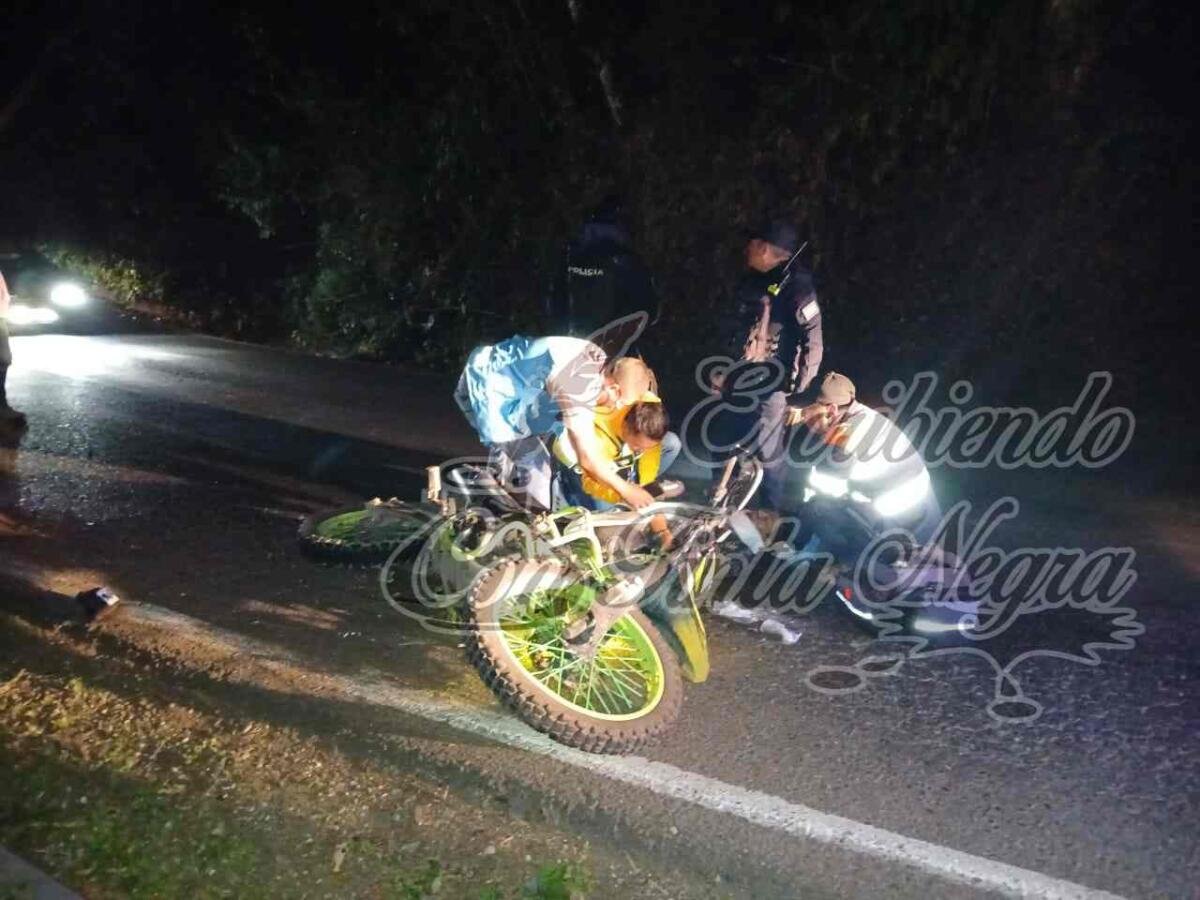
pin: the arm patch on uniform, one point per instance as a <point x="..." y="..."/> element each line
<point x="810" y="310"/>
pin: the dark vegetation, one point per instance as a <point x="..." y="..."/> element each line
<point x="993" y="190"/>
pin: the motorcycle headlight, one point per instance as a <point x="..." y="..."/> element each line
<point x="68" y="295"/>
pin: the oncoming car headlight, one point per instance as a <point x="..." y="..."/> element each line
<point x="21" y="314"/>
<point x="68" y="295"/>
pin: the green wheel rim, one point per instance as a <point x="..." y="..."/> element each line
<point x="363" y="526"/>
<point x="625" y="679"/>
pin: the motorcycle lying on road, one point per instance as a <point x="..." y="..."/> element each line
<point x="580" y="622"/>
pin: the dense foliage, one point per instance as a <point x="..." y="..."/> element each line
<point x="1000" y="190"/>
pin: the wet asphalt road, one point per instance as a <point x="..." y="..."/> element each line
<point x="178" y="465"/>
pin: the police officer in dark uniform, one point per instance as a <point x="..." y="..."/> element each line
<point x="602" y="280"/>
<point x="774" y="323"/>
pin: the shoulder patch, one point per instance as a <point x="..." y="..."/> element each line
<point x="810" y="310"/>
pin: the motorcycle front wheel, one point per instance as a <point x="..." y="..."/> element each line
<point x="616" y="700"/>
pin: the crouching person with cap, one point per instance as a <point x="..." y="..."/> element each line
<point x="867" y="478"/>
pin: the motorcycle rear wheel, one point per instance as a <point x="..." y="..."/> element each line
<point x="627" y="695"/>
<point x="364" y="534"/>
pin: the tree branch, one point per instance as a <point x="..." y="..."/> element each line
<point x="603" y="69"/>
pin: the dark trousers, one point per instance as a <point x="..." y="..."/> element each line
<point x="845" y="529"/>
<point x="772" y="447"/>
<point x="5" y="360"/>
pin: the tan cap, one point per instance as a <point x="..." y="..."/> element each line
<point x="836" y="389"/>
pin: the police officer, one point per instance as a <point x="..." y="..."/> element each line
<point x="602" y="279"/>
<point x="776" y="322"/>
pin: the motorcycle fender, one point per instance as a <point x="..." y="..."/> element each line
<point x="684" y="630"/>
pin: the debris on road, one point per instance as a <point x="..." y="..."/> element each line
<point x="734" y="612"/>
<point x="97" y="602"/>
<point x="770" y="625"/>
<point x="776" y="628"/>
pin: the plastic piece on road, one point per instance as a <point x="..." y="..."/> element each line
<point x="734" y="611"/>
<point x="97" y="602"/>
<point x="781" y="631"/>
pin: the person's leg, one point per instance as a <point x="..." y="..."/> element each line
<point x="770" y="445"/>
<point x="6" y="411"/>
<point x="671" y="446"/>
<point x="839" y="528"/>
<point x="524" y="468"/>
<point x="570" y="486"/>
<point x="5" y="360"/>
<point x="731" y="428"/>
<point x="536" y="476"/>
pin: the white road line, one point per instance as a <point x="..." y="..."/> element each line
<point x="751" y="806"/>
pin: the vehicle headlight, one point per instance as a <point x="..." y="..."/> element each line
<point x="21" y="314"/>
<point x="68" y="295"/>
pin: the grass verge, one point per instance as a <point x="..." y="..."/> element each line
<point x="119" y="791"/>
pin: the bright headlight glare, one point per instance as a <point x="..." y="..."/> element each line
<point x="68" y="295"/>
<point x="21" y="314"/>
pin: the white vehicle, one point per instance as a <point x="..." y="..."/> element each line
<point x="44" y="297"/>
